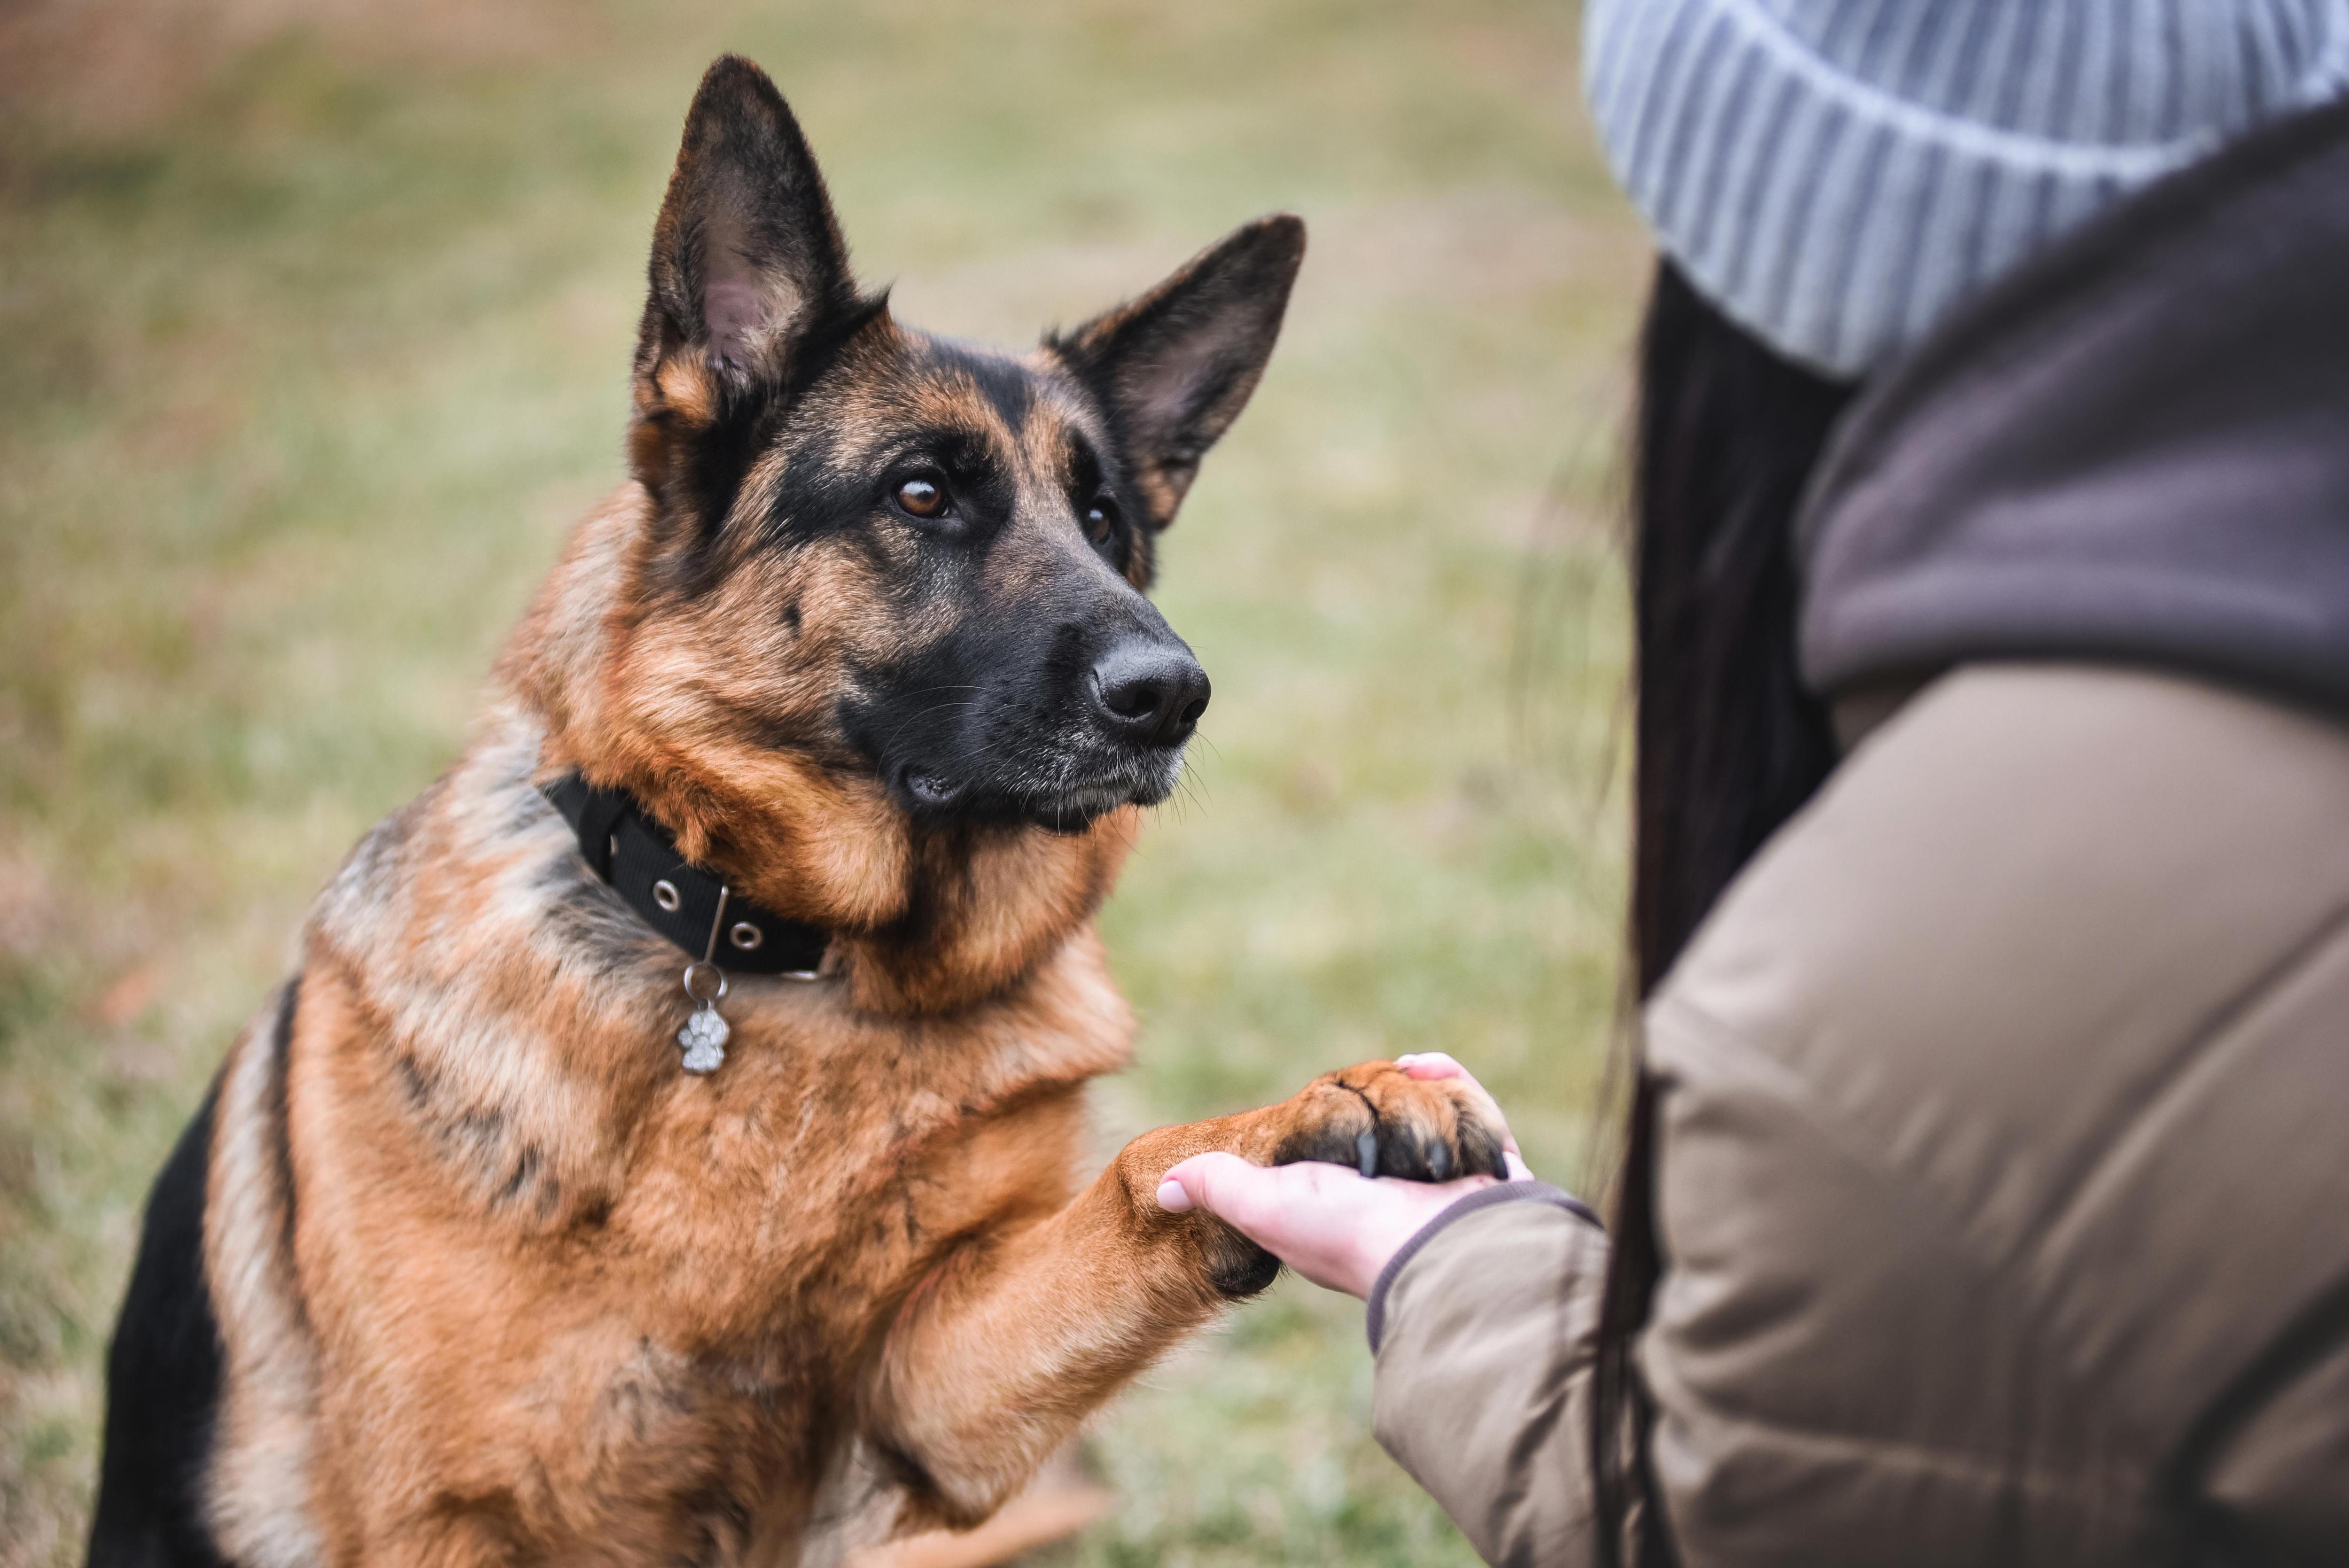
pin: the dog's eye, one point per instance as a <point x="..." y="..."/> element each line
<point x="922" y="497"/>
<point x="1100" y="520"/>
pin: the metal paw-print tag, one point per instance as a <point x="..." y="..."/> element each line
<point x="704" y="1036"/>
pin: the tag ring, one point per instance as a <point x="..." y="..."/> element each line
<point x="697" y="971"/>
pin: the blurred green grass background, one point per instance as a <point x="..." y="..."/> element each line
<point x="315" y="319"/>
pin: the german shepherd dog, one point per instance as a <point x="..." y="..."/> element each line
<point x="463" y="1259"/>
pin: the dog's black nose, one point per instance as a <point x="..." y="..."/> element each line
<point x="1149" y="693"/>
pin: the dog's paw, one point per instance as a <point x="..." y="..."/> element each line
<point x="1382" y="1121"/>
<point x="1237" y="1266"/>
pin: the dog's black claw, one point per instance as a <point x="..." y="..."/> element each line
<point x="1480" y="1151"/>
<point x="1439" y="1161"/>
<point x="1366" y="1151"/>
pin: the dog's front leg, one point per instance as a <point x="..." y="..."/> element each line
<point x="997" y="1356"/>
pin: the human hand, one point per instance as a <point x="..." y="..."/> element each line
<point x="1327" y="1221"/>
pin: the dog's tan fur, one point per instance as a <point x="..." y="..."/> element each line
<point x="497" y="1281"/>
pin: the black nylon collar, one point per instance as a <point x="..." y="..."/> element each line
<point x="635" y="855"/>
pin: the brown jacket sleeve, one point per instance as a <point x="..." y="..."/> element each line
<point x="1484" y="1326"/>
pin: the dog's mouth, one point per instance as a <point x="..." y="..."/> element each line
<point x="1046" y="794"/>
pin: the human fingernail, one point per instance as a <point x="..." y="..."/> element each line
<point x="1173" y="1198"/>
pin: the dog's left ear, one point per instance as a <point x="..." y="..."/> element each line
<point x="1175" y="366"/>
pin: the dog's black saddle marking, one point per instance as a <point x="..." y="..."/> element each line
<point x="634" y="854"/>
<point x="163" y="1376"/>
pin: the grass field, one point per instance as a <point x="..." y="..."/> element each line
<point x="313" y="339"/>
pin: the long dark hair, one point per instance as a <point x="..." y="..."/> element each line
<point x="1729" y="744"/>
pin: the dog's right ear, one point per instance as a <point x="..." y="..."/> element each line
<point x="748" y="271"/>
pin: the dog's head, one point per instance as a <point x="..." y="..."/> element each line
<point x="901" y="555"/>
